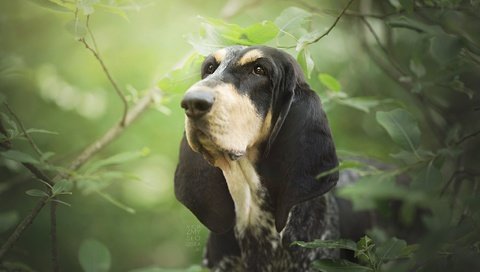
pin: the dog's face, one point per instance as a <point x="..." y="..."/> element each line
<point x="229" y="110"/>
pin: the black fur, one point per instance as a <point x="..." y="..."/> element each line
<point x="299" y="147"/>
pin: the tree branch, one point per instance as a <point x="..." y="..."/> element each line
<point x="19" y="122"/>
<point x="90" y="151"/>
<point x="96" y="54"/>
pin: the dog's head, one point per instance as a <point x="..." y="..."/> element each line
<point x="253" y="102"/>
<point x="230" y="111"/>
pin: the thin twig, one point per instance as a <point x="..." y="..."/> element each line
<point x="19" y="122"/>
<point x="334" y="23"/>
<point x="469" y="136"/>
<point x="89" y="152"/>
<point x="110" y="78"/>
<point x="53" y="236"/>
<point x="328" y="30"/>
<point x="385" y="51"/>
<point x="22" y="226"/>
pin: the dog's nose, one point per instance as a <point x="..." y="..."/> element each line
<point x="197" y="103"/>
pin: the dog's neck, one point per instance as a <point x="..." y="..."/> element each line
<point x="252" y="207"/>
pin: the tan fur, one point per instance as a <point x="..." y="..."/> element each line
<point x="250" y="56"/>
<point x="232" y="125"/>
<point x="220" y="55"/>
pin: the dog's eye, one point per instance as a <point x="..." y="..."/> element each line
<point x="210" y="69"/>
<point x="259" y="70"/>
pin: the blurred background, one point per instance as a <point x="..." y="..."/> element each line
<point x="52" y="82"/>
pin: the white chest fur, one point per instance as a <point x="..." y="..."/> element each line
<point x="247" y="193"/>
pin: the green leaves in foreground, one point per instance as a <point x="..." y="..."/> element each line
<point x="94" y="256"/>
<point x="402" y="128"/>
<point x="370" y="256"/>
<point x="217" y="34"/>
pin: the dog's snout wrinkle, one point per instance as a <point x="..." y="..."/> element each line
<point x="197" y="103"/>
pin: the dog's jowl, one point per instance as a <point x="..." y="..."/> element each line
<point x="256" y="138"/>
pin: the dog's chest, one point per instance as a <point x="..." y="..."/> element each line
<point x="260" y="243"/>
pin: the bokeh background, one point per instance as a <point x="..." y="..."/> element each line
<point x="52" y="82"/>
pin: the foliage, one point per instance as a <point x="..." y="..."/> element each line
<point x="404" y="116"/>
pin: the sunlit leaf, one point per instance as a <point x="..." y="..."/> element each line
<point x="52" y="5"/>
<point x="111" y="9"/>
<point x="402" y="128"/>
<point x="305" y="60"/>
<point x="116" y="159"/>
<point x="261" y="33"/>
<point x="292" y="19"/>
<point x="179" y="80"/>
<point x="364" y="104"/>
<point x="329" y="82"/>
<point x="307" y="39"/>
<point x="43" y="131"/>
<point x="62" y="186"/>
<point x="77" y="28"/>
<point x="116" y="203"/>
<point x="94" y="256"/>
<point x="339" y="265"/>
<point x="36" y="193"/>
<point x="18" y="156"/>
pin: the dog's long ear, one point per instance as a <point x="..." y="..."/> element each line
<point x="300" y="147"/>
<point x="203" y="190"/>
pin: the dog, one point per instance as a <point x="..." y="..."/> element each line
<point x="256" y="141"/>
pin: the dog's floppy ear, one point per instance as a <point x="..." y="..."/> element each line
<point x="300" y="146"/>
<point x="203" y="190"/>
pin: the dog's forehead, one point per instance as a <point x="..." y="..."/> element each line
<point x="239" y="55"/>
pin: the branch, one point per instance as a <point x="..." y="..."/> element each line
<point x="22" y="226"/>
<point x="96" y="54"/>
<point x="469" y="136"/>
<point x="30" y="140"/>
<point x="91" y="150"/>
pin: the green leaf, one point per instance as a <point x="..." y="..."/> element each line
<point x="8" y="220"/>
<point x="62" y="186"/>
<point x="365" y="250"/>
<point x="179" y="80"/>
<point x="292" y="18"/>
<point x="391" y="249"/>
<point x="307" y="39"/>
<point x="12" y="129"/>
<point x="408" y="5"/>
<point x="216" y="34"/>
<point x="51" y="5"/>
<point x="340" y="243"/>
<point x="112" y="9"/>
<point x="335" y="265"/>
<point x="305" y="60"/>
<point x="402" y="128"/>
<point x="94" y="256"/>
<point x="261" y="33"/>
<point x="344" y="164"/>
<point x="417" y="68"/>
<point x="77" y="28"/>
<point x="330" y="82"/>
<point x="19" y="156"/>
<point x="361" y="103"/>
<point x="368" y="190"/>
<point x="86" y="6"/>
<point x="44" y="131"/>
<point x="36" y="193"/>
<point x="193" y="268"/>
<point x="116" y="159"/>
<point x="444" y="48"/>
<point x="116" y="203"/>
